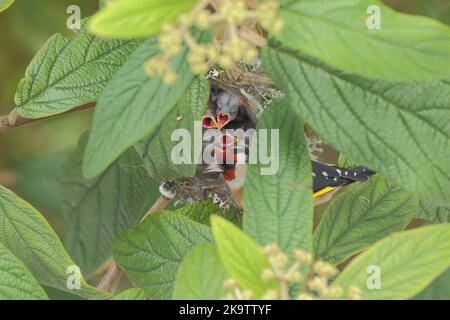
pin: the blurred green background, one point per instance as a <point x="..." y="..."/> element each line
<point x="30" y="156"/>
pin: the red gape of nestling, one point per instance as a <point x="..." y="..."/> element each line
<point x="223" y="111"/>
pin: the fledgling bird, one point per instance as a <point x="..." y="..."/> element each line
<point x="227" y="110"/>
<point x="233" y="169"/>
<point x="326" y="179"/>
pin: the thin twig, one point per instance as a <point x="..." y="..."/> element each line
<point x="159" y="204"/>
<point x="253" y="37"/>
<point x="13" y="120"/>
<point x="112" y="277"/>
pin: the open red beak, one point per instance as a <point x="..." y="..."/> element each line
<point x="209" y="122"/>
<point x="223" y="119"/>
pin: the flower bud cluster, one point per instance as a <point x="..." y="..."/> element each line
<point x="315" y="283"/>
<point x="227" y="48"/>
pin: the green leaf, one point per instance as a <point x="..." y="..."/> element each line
<point x="16" y="282"/>
<point x="201" y="275"/>
<point x="28" y="235"/>
<point x="243" y="259"/>
<point x="39" y="181"/>
<point x="201" y="212"/>
<point x="278" y="205"/>
<point x="103" y="3"/>
<point x="151" y="252"/>
<point x="400" y="130"/>
<point x="131" y="107"/>
<point x="138" y="18"/>
<point x="345" y="161"/>
<point x="69" y="72"/>
<point x="364" y="213"/>
<point x="438" y="289"/>
<point x="335" y="31"/>
<point x="97" y="210"/>
<point x="130" y="294"/>
<point x="156" y="150"/>
<point x="408" y="261"/>
<point x="5" y="4"/>
<point x="434" y="214"/>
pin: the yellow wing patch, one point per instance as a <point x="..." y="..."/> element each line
<point x="323" y="191"/>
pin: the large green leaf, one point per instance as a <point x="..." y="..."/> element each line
<point x="131" y="107"/>
<point x="97" y="210"/>
<point x="241" y="256"/>
<point x="201" y="212"/>
<point x="201" y="275"/>
<point x="363" y="214"/>
<point x="30" y="238"/>
<point x="68" y="72"/>
<point x="4" y="4"/>
<point x="137" y="18"/>
<point x="400" y="130"/>
<point x="130" y="294"/>
<point x="408" y="261"/>
<point x="151" y="252"/>
<point x="335" y="31"/>
<point x="278" y="206"/>
<point x="156" y="150"/>
<point x="439" y="289"/>
<point x="432" y="213"/>
<point x="16" y="282"/>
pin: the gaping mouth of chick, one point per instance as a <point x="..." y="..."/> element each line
<point x="223" y="119"/>
<point x="209" y="122"/>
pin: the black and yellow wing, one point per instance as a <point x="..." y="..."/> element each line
<point x="327" y="178"/>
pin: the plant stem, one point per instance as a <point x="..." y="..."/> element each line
<point x="112" y="277"/>
<point x="253" y="37"/>
<point x="159" y="204"/>
<point x="13" y="120"/>
<point x="284" y="289"/>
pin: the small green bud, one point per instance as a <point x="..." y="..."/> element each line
<point x="230" y="284"/>
<point x="267" y="275"/>
<point x="317" y="284"/>
<point x="270" y="294"/>
<point x="305" y="296"/>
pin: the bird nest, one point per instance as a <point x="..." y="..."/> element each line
<point x="258" y="90"/>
